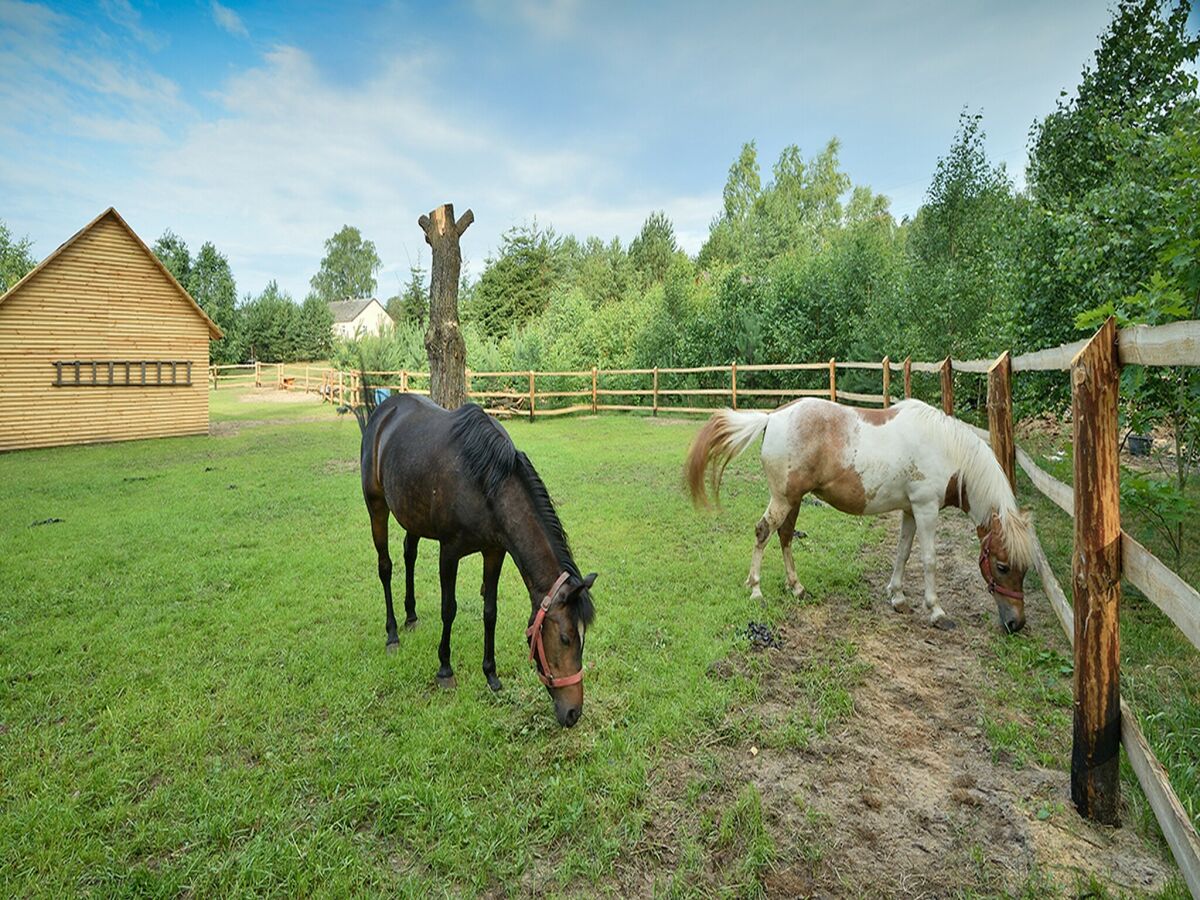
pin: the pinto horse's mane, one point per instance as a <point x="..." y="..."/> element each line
<point x="986" y="482"/>
<point x="491" y="459"/>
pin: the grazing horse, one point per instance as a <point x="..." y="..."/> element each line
<point x="909" y="457"/>
<point x="455" y="477"/>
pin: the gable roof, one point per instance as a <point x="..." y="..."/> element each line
<point x="213" y="331"/>
<point x="349" y="310"/>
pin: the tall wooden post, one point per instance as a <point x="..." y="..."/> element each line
<point x="832" y="379"/>
<point x="733" y="383"/>
<point x="595" y="379"/>
<point x="907" y="377"/>
<point x="654" y="412"/>
<point x="1000" y="422"/>
<point x="1096" y="578"/>
<point x="887" y="382"/>
<point x="443" y="340"/>
<point x="532" y="397"/>
<point x="306" y="379"/>
<point x="404" y="380"/>
<point x="947" y="373"/>
<point x="257" y="373"/>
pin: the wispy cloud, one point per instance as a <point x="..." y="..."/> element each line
<point x="122" y="13"/>
<point x="229" y="20"/>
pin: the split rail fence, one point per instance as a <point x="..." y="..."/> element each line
<point x="1102" y="556"/>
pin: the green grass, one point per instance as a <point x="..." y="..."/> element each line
<point x="194" y="694"/>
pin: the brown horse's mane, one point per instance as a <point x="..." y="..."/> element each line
<point x="491" y="459"/>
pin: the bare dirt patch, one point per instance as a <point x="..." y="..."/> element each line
<point x="272" y="395"/>
<point x="902" y="796"/>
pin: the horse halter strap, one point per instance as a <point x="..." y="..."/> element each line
<point x="985" y="569"/>
<point x="537" y="652"/>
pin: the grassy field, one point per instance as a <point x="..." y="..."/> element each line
<point x="194" y="694"/>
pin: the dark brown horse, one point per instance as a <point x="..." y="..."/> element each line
<point x="455" y="477"/>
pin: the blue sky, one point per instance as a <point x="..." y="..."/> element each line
<point x="265" y="127"/>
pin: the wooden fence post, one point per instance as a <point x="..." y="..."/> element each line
<point x="595" y="378"/>
<point x="1000" y="422"/>
<point x="907" y="377"/>
<point x="1096" y="578"/>
<point x="257" y="373"/>
<point x="404" y="380"/>
<point x="531" y="397"/>
<point x="733" y="383"/>
<point x="887" y="382"/>
<point x="655" y="396"/>
<point x="832" y="379"/>
<point x="279" y="376"/>
<point x="215" y="376"/>
<point x="341" y="389"/>
<point x="306" y="379"/>
<point x="947" y="373"/>
<point x="467" y="384"/>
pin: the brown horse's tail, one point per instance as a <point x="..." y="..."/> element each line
<point x="719" y="442"/>
<point x="363" y="410"/>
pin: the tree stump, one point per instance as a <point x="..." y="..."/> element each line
<point x="443" y="340"/>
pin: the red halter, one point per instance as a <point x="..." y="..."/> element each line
<point x="537" y="652"/>
<point x="985" y="569"/>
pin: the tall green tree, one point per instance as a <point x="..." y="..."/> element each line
<point x="412" y="305"/>
<point x="516" y="283"/>
<point x="349" y="268"/>
<point x="210" y="282"/>
<point x="1089" y="236"/>
<point x="270" y="325"/>
<point x="314" y="330"/>
<point x="961" y="290"/>
<point x="654" y="247"/>
<point x="15" y="258"/>
<point x="173" y="252"/>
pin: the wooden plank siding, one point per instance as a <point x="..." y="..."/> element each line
<point x="102" y="296"/>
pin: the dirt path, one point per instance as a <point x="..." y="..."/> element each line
<point x="902" y="796"/>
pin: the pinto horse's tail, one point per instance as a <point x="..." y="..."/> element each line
<point x="719" y="442"/>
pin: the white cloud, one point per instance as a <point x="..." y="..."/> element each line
<point x="122" y="13"/>
<point x="229" y="20"/>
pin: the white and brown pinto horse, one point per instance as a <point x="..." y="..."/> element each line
<point x="909" y="457"/>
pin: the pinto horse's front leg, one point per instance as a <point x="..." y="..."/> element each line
<point x="895" y="587"/>
<point x="926" y="520"/>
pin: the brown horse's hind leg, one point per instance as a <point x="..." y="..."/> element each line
<point x="379" y="532"/>
<point x="786" y="532"/>
<point x="492" y="563"/>
<point x="777" y="511"/>
<point x="410" y="562"/>
<point x="449" y="577"/>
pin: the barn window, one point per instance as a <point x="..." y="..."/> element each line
<point x="123" y="373"/>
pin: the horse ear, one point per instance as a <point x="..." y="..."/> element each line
<point x="589" y="580"/>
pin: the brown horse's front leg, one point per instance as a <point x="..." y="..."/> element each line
<point x="492" y="562"/>
<point x="449" y="578"/>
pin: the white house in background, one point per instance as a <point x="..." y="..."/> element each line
<point x="351" y="317"/>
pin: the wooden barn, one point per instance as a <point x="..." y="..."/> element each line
<point x="100" y="343"/>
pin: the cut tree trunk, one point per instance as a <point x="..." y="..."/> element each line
<point x="443" y="340"/>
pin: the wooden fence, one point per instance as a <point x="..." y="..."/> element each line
<point x="1103" y="553"/>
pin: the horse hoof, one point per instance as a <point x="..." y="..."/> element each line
<point x="798" y="591"/>
<point x="393" y="646"/>
<point x="410" y="624"/>
<point x="899" y="604"/>
<point x="756" y="594"/>
<point x="945" y="623"/>
<point x="494" y="683"/>
<point x="448" y="682"/>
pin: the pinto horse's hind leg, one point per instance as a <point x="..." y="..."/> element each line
<point x="926" y="519"/>
<point x="786" y="531"/>
<point x="449" y="578"/>
<point x="895" y="586"/>
<point x="777" y="511"/>
<point x="492" y="562"/>
<point x="379" y="533"/>
<point x="410" y="562"/>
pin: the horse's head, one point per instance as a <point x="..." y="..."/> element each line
<point x="556" y="635"/>
<point x="1003" y="560"/>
